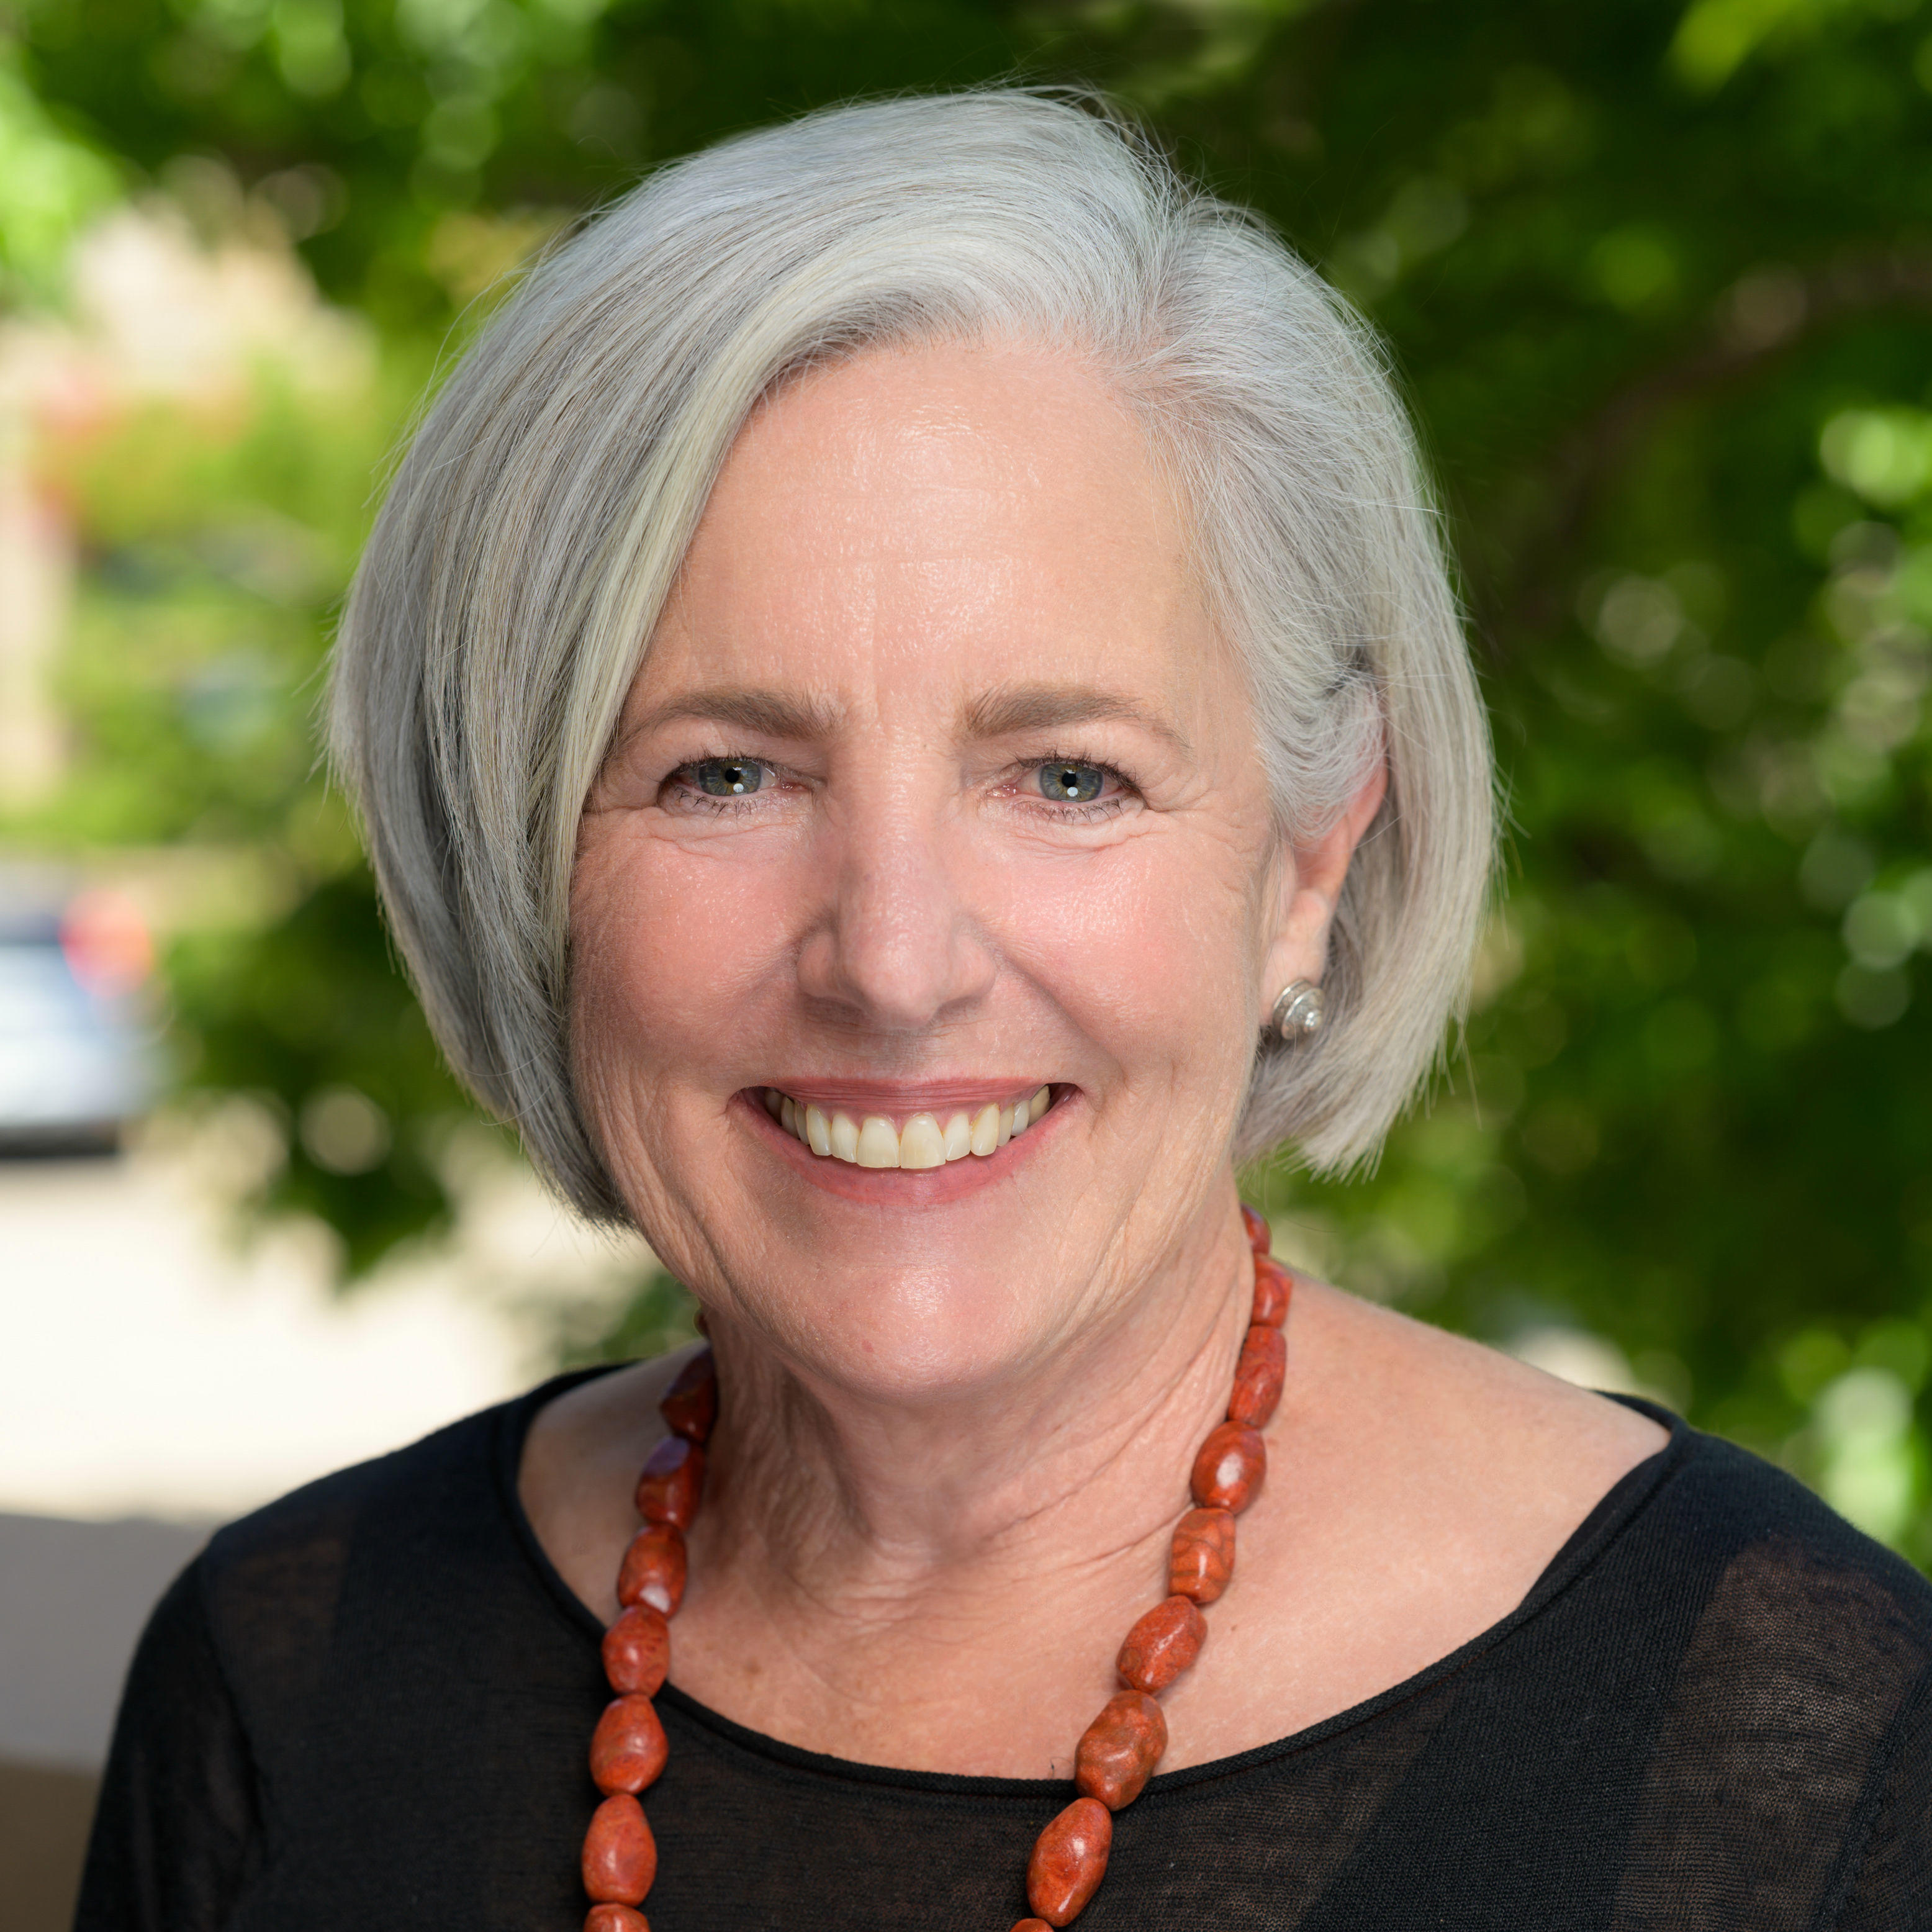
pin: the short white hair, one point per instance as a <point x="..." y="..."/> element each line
<point x="538" y="520"/>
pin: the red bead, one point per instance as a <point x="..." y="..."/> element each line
<point x="636" y="1650"/>
<point x="1069" y="1859"/>
<point x="654" y="1569"/>
<point x="1202" y="1558"/>
<point x="620" y="1856"/>
<point x="615" y="1918"/>
<point x="1229" y="1468"/>
<point x="1032" y="1925"/>
<point x="627" y="1749"/>
<point x="673" y="1482"/>
<point x="1258" y="1376"/>
<point x="1118" y="1751"/>
<point x="690" y="1406"/>
<point x="1161" y="1646"/>
<point x="1274" y="1286"/>
<point x="1261" y="1237"/>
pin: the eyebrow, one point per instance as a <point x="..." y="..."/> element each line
<point x="771" y="714"/>
<point x="1046" y="707"/>
<point x="1001" y="713"/>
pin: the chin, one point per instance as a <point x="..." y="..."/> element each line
<point x="905" y="1283"/>
<point x="908" y="1335"/>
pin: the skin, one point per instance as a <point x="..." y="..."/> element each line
<point x="960" y="1406"/>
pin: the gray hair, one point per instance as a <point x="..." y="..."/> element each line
<point x="537" y="524"/>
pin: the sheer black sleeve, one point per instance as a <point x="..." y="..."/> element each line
<point x="365" y="1707"/>
<point x="1890" y="1889"/>
<point x="178" y="1831"/>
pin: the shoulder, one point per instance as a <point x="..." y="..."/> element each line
<point x="329" y="1568"/>
<point x="1770" y="1612"/>
<point x="1776" y="1573"/>
<point x="1787" y="1661"/>
<point x="1458" y="1395"/>
<point x="304" y="1620"/>
<point x="1444" y="1483"/>
<point x="1478" y="1465"/>
<point x="309" y="1533"/>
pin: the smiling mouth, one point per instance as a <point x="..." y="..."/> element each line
<point x="923" y="1141"/>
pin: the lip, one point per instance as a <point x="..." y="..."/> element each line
<point x="902" y="1099"/>
<point x="900" y="1186"/>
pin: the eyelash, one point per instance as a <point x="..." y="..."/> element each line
<point x="1092" y="813"/>
<point x="683" y="780"/>
<point x="690" y="798"/>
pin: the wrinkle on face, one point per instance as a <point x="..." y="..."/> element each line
<point x="916" y="567"/>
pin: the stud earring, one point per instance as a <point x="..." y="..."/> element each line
<point x="1298" y="1012"/>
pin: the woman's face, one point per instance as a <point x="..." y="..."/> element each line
<point x="937" y="789"/>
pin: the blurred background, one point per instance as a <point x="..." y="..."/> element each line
<point x="1657" y="279"/>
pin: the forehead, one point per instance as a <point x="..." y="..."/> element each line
<point x="959" y="516"/>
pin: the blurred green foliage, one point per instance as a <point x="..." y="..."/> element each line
<point x="51" y="180"/>
<point x="1656" y="278"/>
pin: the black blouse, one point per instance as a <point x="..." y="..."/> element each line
<point x="367" y="1707"/>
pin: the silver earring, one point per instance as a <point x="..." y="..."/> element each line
<point x="1297" y="1013"/>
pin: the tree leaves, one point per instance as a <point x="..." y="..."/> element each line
<point x="1656" y="280"/>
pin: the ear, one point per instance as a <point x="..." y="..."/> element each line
<point x="1309" y="888"/>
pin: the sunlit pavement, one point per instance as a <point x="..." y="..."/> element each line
<point x="146" y="1369"/>
<point x="154" y="1366"/>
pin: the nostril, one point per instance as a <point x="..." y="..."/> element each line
<point x="898" y="950"/>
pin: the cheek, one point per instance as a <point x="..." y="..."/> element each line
<point x="671" y="952"/>
<point x="1151" y="949"/>
<point x="682" y="975"/>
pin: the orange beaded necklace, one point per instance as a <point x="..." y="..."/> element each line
<point x="1117" y="1752"/>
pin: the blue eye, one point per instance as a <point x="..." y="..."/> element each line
<point x="1068" y="783"/>
<point x="727" y="777"/>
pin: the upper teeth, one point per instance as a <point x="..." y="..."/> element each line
<point x="926" y="1140"/>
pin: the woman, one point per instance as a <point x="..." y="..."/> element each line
<point x="908" y="715"/>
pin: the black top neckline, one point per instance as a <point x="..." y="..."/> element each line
<point x="366" y="1706"/>
<point x="1585" y="1546"/>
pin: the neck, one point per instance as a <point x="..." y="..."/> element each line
<point x="1046" y="1494"/>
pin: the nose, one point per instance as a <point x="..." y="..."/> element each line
<point x="897" y="948"/>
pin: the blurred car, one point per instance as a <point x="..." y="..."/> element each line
<point x="77" y="1052"/>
